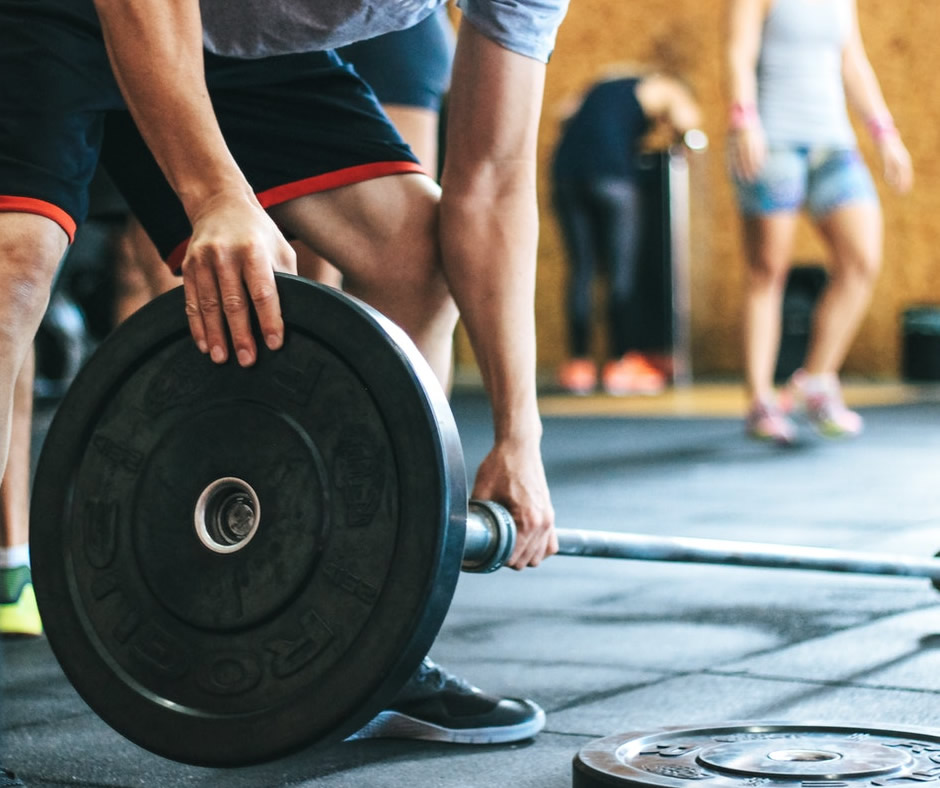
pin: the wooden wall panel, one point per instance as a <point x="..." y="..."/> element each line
<point x="902" y="41"/>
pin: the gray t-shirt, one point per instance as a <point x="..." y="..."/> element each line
<point x="258" y="28"/>
<point x="801" y="96"/>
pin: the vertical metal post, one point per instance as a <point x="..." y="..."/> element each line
<point x="680" y="265"/>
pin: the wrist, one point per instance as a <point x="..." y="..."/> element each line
<point x="519" y="427"/>
<point x="203" y="198"/>
<point x="743" y="115"/>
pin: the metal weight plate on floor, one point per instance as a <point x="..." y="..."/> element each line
<point x="752" y="755"/>
<point x="232" y="564"/>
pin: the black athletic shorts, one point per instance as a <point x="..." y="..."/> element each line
<point x="410" y="67"/>
<point x="296" y="124"/>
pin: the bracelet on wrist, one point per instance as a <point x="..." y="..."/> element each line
<point x="743" y="116"/>
<point x="881" y="127"/>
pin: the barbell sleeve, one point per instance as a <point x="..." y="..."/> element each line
<point x="491" y="538"/>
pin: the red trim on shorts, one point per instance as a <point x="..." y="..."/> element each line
<point x="175" y="259"/>
<point x="318" y="183"/>
<point x="333" y="180"/>
<point x="40" y="208"/>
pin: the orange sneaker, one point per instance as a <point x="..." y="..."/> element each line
<point x="578" y="376"/>
<point x="632" y="374"/>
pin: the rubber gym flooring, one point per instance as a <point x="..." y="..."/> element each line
<point x="609" y="646"/>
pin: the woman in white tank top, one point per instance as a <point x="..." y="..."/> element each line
<point x="795" y="66"/>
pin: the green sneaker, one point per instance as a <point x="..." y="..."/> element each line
<point x="19" y="614"/>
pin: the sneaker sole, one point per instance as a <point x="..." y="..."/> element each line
<point x="395" y="725"/>
<point x="777" y="440"/>
<point x="21" y="618"/>
<point x="835" y="433"/>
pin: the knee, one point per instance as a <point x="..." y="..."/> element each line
<point x="412" y="271"/>
<point x="768" y="271"/>
<point x="30" y="250"/>
<point x="860" y="267"/>
<point x="27" y="265"/>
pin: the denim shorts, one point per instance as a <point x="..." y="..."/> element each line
<point x="821" y="179"/>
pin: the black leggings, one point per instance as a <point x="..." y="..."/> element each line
<point x="601" y="218"/>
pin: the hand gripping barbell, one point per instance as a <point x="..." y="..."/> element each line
<point x="491" y="534"/>
<point x="232" y="564"/>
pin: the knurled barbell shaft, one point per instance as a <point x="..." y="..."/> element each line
<point x="491" y="536"/>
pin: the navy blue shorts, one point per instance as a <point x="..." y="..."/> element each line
<point x="296" y="124"/>
<point x="409" y="67"/>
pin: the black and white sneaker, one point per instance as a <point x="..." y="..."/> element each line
<point x="437" y="706"/>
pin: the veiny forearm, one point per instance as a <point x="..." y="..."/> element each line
<point x="489" y="220"/>
<point x="155" y="47"/>
<point x="490" y="261"/>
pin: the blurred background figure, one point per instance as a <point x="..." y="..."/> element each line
<point x="793" y="67"/>
<point x="599" y="207"/>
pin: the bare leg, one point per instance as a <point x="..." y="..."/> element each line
<point x="854" y="236"/>
<point x="768" y="245"/>
<point x="311" y="266"/>
<point x="141" y="274"/>
<point x="30" y="248"/>
<point x="14" y="490"/>
<point x="382" y="235"/>
<point x="419" y="128"/>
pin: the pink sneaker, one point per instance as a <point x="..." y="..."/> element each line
<point x="766" y="422"/>
<point x="820" y="397"/>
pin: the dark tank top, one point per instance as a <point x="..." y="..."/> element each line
<point x="601" y="139"/>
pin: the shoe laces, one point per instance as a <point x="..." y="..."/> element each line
<point x="431" y="679"/>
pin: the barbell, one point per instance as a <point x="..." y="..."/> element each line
<point x="232" y="564"/>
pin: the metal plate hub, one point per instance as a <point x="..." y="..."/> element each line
<point x="761" y="754"/>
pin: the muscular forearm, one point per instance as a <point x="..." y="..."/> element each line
<point x="155" y="48"/>
<point x="489" y="247"/>
<point x="156" y="53"/>
<point x="489" y="219"/>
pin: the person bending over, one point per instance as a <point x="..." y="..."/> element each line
<point x="216" y="149"/>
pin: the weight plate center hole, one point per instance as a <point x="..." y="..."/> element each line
<point x="803" y="755"/>
<point x="227" y="515"/>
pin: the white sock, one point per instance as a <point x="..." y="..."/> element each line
<point x="11" y="557"/>
<point x="823" y="383"/>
